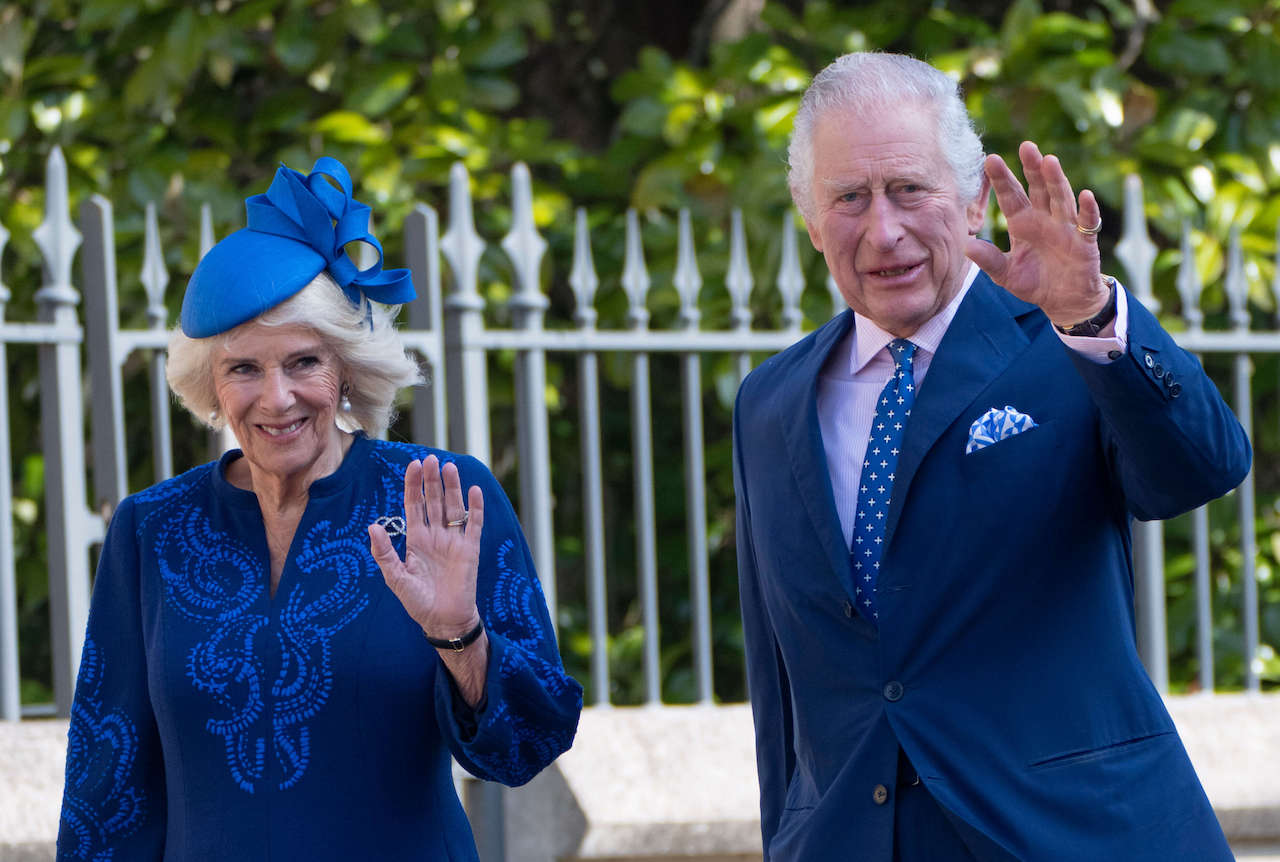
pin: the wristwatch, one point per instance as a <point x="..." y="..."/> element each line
<point x="1091" y="327"/>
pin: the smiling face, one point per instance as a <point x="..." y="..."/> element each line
<point x="887" y="215"/>
<point x="278" y="387"/>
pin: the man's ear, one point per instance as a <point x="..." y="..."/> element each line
<point x="814" y="236"/>
<point x="976" y="212"/>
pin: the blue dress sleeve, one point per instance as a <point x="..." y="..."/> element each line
<point x="529" y="712"/>
<point x="113" y="803"/>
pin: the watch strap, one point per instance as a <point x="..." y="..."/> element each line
<point x="456" y="644"/>
<point x="1091" y="327"/>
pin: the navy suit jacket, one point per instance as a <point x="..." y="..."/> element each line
<point x="1005" y="664"/>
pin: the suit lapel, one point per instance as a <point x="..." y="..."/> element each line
<point x="797" y="412"/>
<point x="983" y="339"/>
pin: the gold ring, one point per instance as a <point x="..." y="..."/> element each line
<point x="461" y="522"/>
<point x="1091" y="231"/>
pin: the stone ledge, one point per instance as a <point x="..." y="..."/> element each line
<point x="678" y="783"/>
<point x="1234" y="742"/>
<point x="32" y="759"/>
<point x="662" y="782"/>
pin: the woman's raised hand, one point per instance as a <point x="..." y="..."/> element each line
<point x="436" y="580"/>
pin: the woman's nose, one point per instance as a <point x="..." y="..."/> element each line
<point x="277" y="392"/>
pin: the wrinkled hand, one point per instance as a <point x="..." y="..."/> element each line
<point x="436" y="580"/>
<point x="1049" y="262"/>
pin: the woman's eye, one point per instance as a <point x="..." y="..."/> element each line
<point x="304" y="362"/>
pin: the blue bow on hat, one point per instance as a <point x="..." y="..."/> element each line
<point x="295" y="231"/>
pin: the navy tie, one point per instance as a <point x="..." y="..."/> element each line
<point x="879" y="465"/>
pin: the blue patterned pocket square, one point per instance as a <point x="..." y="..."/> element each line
<point x="995" y="425"/>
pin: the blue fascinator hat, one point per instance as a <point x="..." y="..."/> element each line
<point x="297" y="230"/>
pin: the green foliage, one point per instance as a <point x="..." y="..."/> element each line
<point x="180" y="103"/>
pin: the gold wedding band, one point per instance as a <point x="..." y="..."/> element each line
<point x="461" y="522"/>
<point x="1090" y="231"/>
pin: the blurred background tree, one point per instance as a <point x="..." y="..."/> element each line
<point x="655" y="106"/>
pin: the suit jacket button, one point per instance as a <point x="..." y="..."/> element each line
<point x="1158" y="370"/>
<point x="848" y="609"/>
<point x="1175" y="390"/>
<point x="893" y="691"/>
<point x="1150" y="362"/>
<point x="1113" y="355"/>
<point x="880" y="795"/>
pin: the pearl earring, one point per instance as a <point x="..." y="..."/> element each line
<point x="345" y="403"/>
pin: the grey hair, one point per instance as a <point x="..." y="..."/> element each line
<point x="374" y="363"/>
<point x="867" y="81"/>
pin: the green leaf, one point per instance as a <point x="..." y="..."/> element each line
<point x="15" y="34"/>
<point x="497" y="50"/>
<point x="680" y="121"/>
<point x="775" y="120"/>
<point x="493" y="92"/>
<point x="1174" y="51"/>
<point x="107" y="14"/>
<point x="294" y="42"/>
<point x="13" y="120"/>
<point x="350" y="128"/>
<point x="1018" y="21"/>
<point x="1061" y="31"/>
<point x="54" y="70"/>
<point x="382" y="88"/>
<point x="364" y="20"/>
<point x="645" y="117"/>
<point x="148" y="86"/>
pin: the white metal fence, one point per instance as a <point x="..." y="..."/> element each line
<point x="451" y="334"/>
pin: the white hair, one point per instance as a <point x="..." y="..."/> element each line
<point x="864" y="82"/>
<point x="364" y="339"/>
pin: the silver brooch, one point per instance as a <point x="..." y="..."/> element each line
<point x="393" y="524"/>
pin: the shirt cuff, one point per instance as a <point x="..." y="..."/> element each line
<point x="1114" y="336"/>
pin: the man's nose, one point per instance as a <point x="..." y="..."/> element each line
<point x="884" y="223"/>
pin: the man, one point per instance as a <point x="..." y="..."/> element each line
<point x="934" y="492"/>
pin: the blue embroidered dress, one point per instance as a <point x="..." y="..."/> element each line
<point x="214" y="722"/>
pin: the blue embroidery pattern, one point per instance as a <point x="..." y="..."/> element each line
<point x="329" y="599"/>
<point x="101" y="751"/>
<point x="214" y="580"/>
<point x="514" y="607"/>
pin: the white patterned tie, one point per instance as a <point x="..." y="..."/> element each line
<point x="879" y="465"/>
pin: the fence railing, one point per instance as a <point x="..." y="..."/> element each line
<point x="458" y="346"/>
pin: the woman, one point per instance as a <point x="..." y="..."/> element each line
<point x="255" y="682"/>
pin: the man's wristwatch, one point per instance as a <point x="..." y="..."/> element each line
<point x="1099" y="321"/>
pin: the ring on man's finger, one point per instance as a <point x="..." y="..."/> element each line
<point x="1090" y="231"/>
<point x="460" y="522"/>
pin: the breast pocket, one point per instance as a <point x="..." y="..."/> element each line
<point x="1036" y="449"/>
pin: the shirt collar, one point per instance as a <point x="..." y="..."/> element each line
<point x="869" y="339"/>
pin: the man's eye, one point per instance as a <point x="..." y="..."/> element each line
<point x="850" y="197"/>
